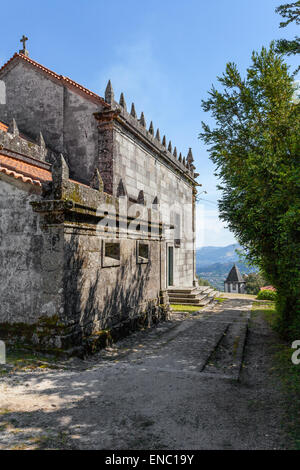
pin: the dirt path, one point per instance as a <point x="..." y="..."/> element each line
<point x="178" y="386"/>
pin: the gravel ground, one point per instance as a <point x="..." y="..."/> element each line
<point x="173" y="387"/>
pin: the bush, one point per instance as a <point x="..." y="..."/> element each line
<point x="204" y="282"/>
<point x="254" y="281"/>
<point x="267" y="295"/>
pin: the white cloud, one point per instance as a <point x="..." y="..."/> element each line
<point x="211" y="231"/>
<point x="136" y="71"/>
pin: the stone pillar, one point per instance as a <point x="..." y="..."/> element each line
<point x="106" y="153"/>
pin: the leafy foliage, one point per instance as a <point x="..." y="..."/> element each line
<point x="255" y="146"/>
<point x="254" y="281"/>
<point x="204" y="282"/>
<point x="286" y="372"/>
<point x="290" y="11"/>
<point x="266" y="295"/>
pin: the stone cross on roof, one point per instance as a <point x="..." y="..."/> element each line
<point x="24" y="50"/>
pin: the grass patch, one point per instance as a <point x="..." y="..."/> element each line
<point x="268" y="311"/>
<point x="185" y="308"/>
<point x="287" y="372"/>
<point x="221" y="299"/>
<point x="27" y="360"/>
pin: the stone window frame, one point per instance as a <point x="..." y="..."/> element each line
<point x="107" y="261"/>
<point x="141" y="259"/>
<point x="177" y="226"/>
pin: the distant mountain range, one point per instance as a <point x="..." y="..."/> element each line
<point x="213" y="263"/>
<point x="208" y="255"/>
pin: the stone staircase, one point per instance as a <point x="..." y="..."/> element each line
<point x="201" y="295"/>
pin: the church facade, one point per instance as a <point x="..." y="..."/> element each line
<point x="97" y="213"/>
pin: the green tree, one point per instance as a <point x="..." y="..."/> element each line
<point x="291" y="13"/>
<point x="204" y="282"/>
<point x="254" y="281"/>
<point x="255" y="146"/>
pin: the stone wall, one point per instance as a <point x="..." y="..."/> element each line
<point x="41" y="104"/>
<point x="135" y="164"/>
<point x="57" y="292"/>
<point x="141" y="171"/>
<point x="31" y="276"/>
<point x="36" y="102"/>
<point x="112" y="299"/>
<point x="20" y="249"/>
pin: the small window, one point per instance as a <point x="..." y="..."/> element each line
<point x="112" y="250"/>
<point x="142" y="252"/>
<point x="111" y="254"/>
<point x="177" y="231"/>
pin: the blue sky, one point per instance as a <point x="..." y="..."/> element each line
<point x="163" y="54"/>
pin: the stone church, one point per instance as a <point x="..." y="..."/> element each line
<point x="97" y="213"/>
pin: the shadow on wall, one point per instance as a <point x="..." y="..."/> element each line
<point x="99" y="298"/>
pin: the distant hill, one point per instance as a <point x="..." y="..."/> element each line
<point x="208" y="255"/>
<point x="213" y="263"/>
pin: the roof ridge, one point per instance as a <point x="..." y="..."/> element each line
<point x="58" y="77"/>
<point x="234" y="275"/>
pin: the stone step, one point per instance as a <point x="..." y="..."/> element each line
<point x="187" y="301"/>
<point x="181" y="295"/>
<point x="210" y="290"/>
<point x="206" y="301"/>
<point x="183" y="290"/>
<point x="203" y="288"/>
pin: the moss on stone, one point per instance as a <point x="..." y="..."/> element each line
<point x="75" y="195"/>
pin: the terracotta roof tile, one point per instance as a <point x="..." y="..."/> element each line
<point x="27" y="172"/>
<point x="3" y="127"/>
<point x="23" y="171"/>
<point x="60" y="78"/>
<point x="19" y="176"/>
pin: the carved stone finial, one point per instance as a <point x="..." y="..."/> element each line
<point x="180" y="157"/>
<point x="97" y="181"/>
<point x="24" y="51"/>
<point x="13" y="128"/>
<point x="142" y="120"/>
<point x="109" y="93"/>
<point x="141" y="197"/>
<point x="60" y="175"/>
<point x="41" y="141"/>
<point x="157" y="135"/>
<point x="175" y="153"/>
<point x="190" y="157"/>
<point x="122" y="101"/>
<point x="183" y="161"/>
<point x="133" y="112"/>
<point x="121" y="189"/>
<point x="170" y="147"/>
<point x="151" y="128"/>
<point x="164" y="141"/>
<point x="43" y="150"/>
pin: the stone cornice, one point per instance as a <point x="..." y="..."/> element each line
<point x="125" y="120"/>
